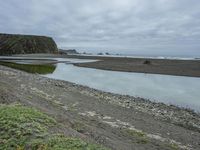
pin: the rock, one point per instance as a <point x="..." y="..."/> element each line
<point x="26" y="44"/>
<point x="69" y="51"/>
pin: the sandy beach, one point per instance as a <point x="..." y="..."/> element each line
<point x="155" y="66"/>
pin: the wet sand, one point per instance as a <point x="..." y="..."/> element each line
<point x="155" y="66"/>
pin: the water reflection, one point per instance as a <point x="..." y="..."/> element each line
<point x="31" y="68"/>
<point x="178" y="90"/>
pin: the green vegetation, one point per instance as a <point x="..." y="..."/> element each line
<point x="135" y="133"/>
<point x="19" y="125"/>
<point x="31" y="68"/>
<point x="139" y="136"/>
<point x="62" y="143"/>
<point x="26" y="128"/>
<point x="26" y="44"/>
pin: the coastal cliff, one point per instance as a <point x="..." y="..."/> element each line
<point x="26" y="44"/>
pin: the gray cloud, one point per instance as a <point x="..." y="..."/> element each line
<point x="138" y="26"/>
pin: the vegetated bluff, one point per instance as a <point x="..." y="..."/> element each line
<point x="26" y="44"/>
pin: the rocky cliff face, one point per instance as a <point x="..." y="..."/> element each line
<point x="69" y="51"/>
<point x="26" y="44"/>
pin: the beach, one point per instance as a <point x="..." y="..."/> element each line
<point x="144" y="65"/>
<point x="112" y="120"/>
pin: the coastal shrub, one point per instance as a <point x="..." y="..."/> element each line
<point x="62" y="143"/>
<point x="26" y="128"/>
<point x="19" y="124"/>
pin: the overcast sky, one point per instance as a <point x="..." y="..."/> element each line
<point x="168" y="27"/>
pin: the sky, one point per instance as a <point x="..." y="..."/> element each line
<point x="142" y="27"/>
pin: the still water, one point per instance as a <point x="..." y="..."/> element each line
<point x="177" y="90"/>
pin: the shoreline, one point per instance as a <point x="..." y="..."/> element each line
<point x="104" y="114"/>
<point x="157" y="109"/>
<point x="54" y="61"/>
<point x="174" y="67"/>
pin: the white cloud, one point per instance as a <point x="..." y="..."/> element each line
<point x="113" y="23"/>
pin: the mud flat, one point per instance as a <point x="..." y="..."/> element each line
<point x="112" y="120"/>
<point x="144" y="65"/>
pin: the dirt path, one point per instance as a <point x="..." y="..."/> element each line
<point x="105" y="118"/>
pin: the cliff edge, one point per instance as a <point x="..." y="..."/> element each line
<point x="26" y="44"/>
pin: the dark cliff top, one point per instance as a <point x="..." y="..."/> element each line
<point x="25" y="35"/>
<point x="26" y="44"/>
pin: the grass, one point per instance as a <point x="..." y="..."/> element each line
<point x="139" y="136"/>
<point x="135" y="133"/>
<point x="26" y="128"/>
<point x="31" y="68"/>
<point x="62" y="143"/>
<point x="19" y="124"/>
